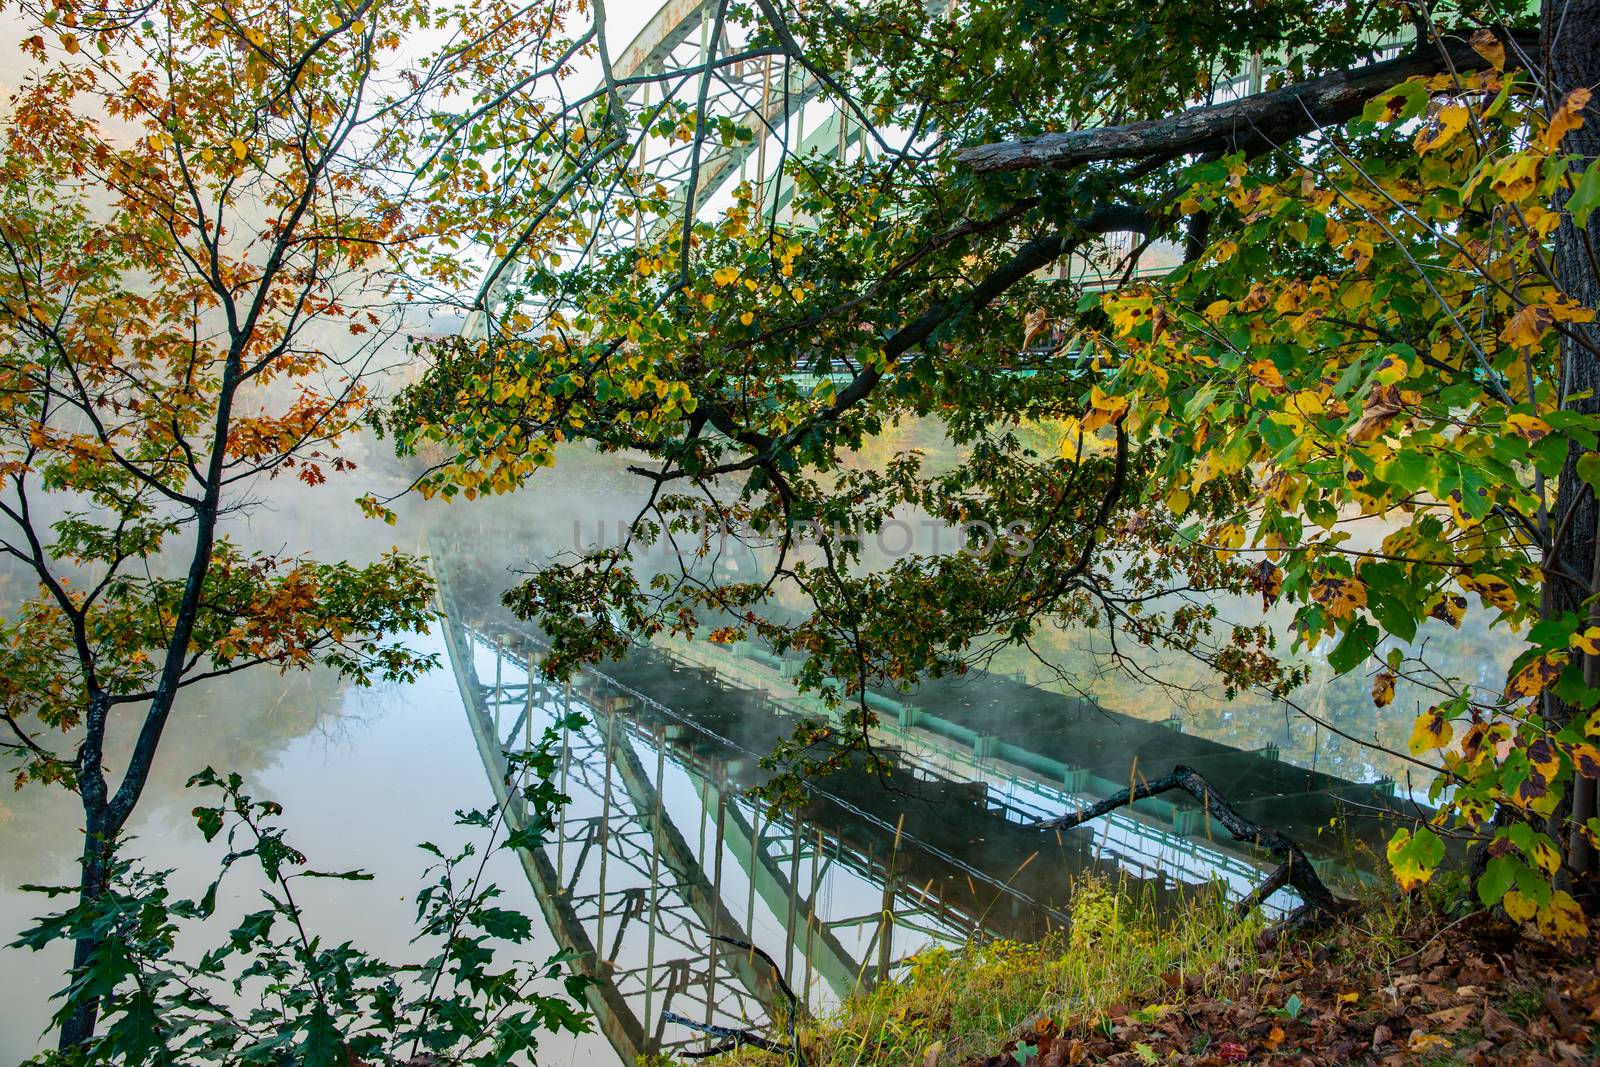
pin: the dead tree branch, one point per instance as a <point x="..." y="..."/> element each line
<point x="1294" y="868"/>
<point x="734" y="1035"/>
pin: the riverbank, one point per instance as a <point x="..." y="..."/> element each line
<point x="1398" y="982"/>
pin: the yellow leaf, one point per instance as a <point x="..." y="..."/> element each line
<point x="1568" y="117"/>
<point x="1339" y="596"/>
<point x="1518" y="906"/>
<point x="1441" y="128"/>
<point x="1587" y="640"/>
<point x="1383" y="689"/>
<point x="1540" y="220"/>
<point x="1495" y="591"/>
<point x="240" y="149"/>
<point x="1563" y="308"/>
<point x="1266" y="375"/>
<point x="747" y="318"/>
<point x="70" y="43"/>
<point x="1530" y="427"/>
<point x="1535" y="676"/>
<point x="1227" y="539"/>
<point x="1527" y="326"/>
<point x="1562" y="919"/>
<point x="1104" y="410"/>
<point x="1431" y="730"/>
<point x="1291" y="299"/>
<point x="1414" y="857"/>
<point x="1391" y="369"/>
<point x="1487" y="45"/>
<point x="1585" y="759"/>
<point x="1216" y="309"/>
<point x="1422" y="1044"/>
<point x="1516" y="177"/>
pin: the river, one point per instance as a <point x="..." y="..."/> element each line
<point x="661" y="851"/>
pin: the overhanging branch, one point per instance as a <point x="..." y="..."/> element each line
<point x="1256" y="122"/>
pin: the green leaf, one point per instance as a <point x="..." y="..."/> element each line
<point x="1357" y="645"/>
<point x="1414" y="856"/>
<point x="1586" y="197"/>
<point x="1498" y="876"/>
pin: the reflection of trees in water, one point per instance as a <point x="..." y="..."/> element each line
<point x="1474" y="655"/>
<point x="241" y="723"/>
<point x="587" y="486"/>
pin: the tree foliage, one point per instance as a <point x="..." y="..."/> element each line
<point x="274" y="992"/>
<point x="206" y="214"/>
<point x="1363" y="392"/>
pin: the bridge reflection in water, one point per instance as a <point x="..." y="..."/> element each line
<point x="660" y="851"/>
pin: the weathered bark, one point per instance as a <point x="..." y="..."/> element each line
<point x="1571" y="54"/>
<point x="1256" y="122"/>
<point x="1294" y="868"/>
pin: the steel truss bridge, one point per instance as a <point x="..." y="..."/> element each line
<point x="660" y="851"/>
<point x="785" y="110"/>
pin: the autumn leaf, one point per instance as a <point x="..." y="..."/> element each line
<point x="1519" y="905"/>
<point x="1037" y="324"/>
<point x="1516" y="177"/>
<point x="1413" y="857"/>
<point x="1487" y="45"/>
<point x="1448" y="608"/>
<point x="1104" y="410"/>
<point x="1383" y="689"/>
<point x="1535" y="676"/>
<point x="1494" y="590"/>
<point x="1441" y="128"/>
<point x="1267" y="376"/>
<point x="1527" y="327"/>
<point x="1431" y="730"/>
<point x="1562" y="919"/>
<point x="1382" y="407"/>
<point x="1568" y="117"/>
<point x="1339" y="596"/>
<point x="1587" y="640"/>
<point x="1421" y="1044"/>
<point x="1530" y="428"/>
<point x="1585" y="759"/>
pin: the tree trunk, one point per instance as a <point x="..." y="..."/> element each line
<point x="1571" y="47"/>
<point x="99" y="844"/>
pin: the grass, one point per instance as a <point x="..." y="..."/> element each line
<point x="1424" y="976"/>
<point x="953" y="1004"/>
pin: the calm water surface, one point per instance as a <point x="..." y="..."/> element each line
<point x="661" y="851"/>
